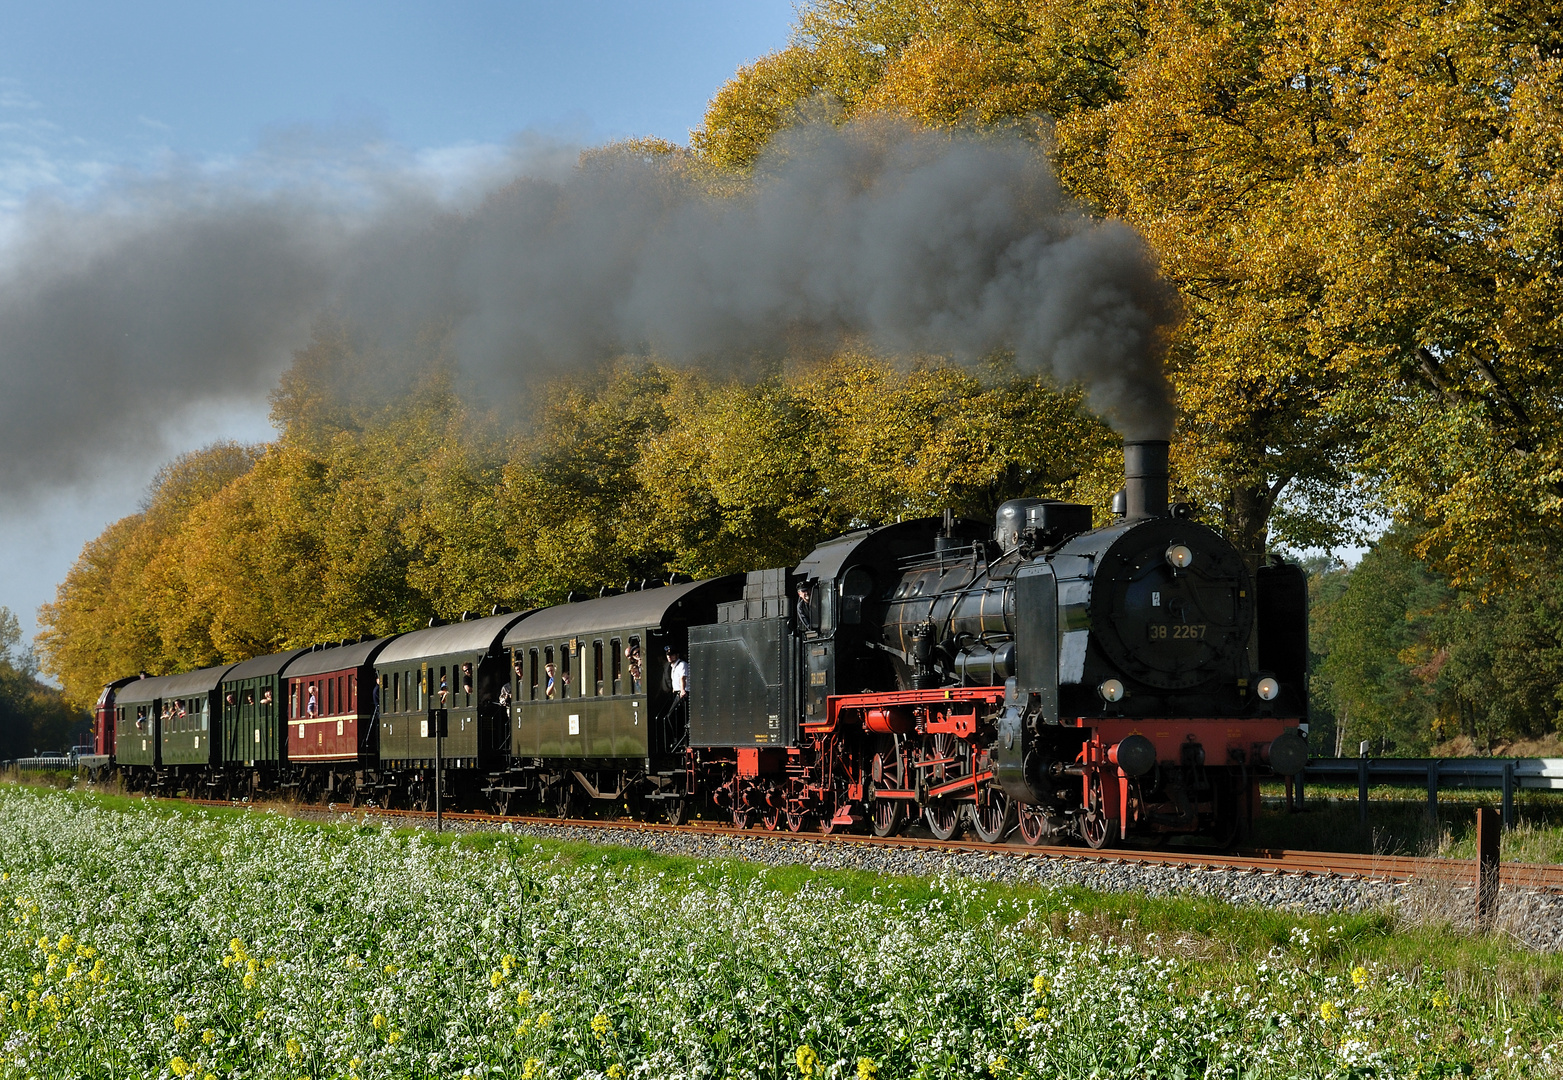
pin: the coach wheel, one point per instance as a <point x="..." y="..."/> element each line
<point x="943" y="820"/>
<point x="991" y="817"/>
<point x="563" y="799"/>
<point x="419" y="794"/>
<point x="1033" y="824"/>
<point x="676" y="811"/>
<point x="1095" y="826"/>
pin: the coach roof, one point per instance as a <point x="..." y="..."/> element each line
<point x="472" y="636"/>
<point x="338" y="657"/>
<point x="173" y="686"/>
<point x="648" y="607"/>
<point x="260" y="666"/>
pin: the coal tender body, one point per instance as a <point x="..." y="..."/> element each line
<point x="1135" y="679"/>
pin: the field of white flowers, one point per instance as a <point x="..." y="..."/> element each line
<point x="143" y="943"/>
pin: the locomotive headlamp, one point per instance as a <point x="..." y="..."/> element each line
<point x="1267" y="688"/>
<point x="1179" y="556"/>
<point x="1111" y="690"/>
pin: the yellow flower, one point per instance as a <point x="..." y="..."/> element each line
<point x="180" y="1022"/>
<point x="209" y="1076"/>
<point x="998" y="1065"/>
<point x="1039" y="984"/>
<point x="394" y="1037"/>
<point x="236" y="946"/>
<point x="180" y="1066"/>
<point x="1440" y="1000"/>
<point x="390" y="969"/>
<point x="532" y="1069"/>
<point x="600" y="1027"/>
<point x="1020" y="1023"/>
<point x="507" y="963"/>
<point x="1040" y="1014"/>
<point x="1329" y="1011"/>
<point x="616" y="1072"/>
<point x="379" y="1021"/>
<point x="866" y="1069"/>
<point x="357" y="1061"/>
<point x="807" y="1060"/>
<point x="524" y="998"/>
<point x="1359" y="977"/>
<point x="249" y="980"/>
<point x="495" y="978"/>
<point x="208" y="1036"/>
<point x="544" y="1019"/>
<point x="295" y="1051"/>
<point x="66" y="941"/>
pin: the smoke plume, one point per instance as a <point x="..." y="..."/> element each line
<point x="116" y="321"/>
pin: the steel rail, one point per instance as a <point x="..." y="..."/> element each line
<point x="1543" y="877"/>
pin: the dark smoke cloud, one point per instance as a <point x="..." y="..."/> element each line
<point x="116" y="321"/>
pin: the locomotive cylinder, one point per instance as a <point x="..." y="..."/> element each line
<point x="1145" y="478"/>
<point x="889" y="720"/>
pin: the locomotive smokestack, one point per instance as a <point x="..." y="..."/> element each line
<point x="1145" y="478"/>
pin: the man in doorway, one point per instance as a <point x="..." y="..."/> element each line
<point x="678" y="671"/>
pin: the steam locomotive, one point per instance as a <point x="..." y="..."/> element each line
<point x="1041" y="676"/>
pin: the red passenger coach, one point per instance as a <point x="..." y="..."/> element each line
<point x="332" y="710"/>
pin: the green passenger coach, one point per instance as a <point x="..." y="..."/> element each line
<point x="457" y="671"/>
<point x="252" y="708"/>
<point x="590" y="682"/>
<point x="172" y="723"/>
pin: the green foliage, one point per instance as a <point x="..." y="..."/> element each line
<point x="33" y="716"/>
<point x="1406" y="660"/>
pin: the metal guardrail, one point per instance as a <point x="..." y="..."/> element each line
<point x="1505" y="775"/>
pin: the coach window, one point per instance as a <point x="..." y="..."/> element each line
<point x="597" y="679"/>
<point x="206" y="720"/>
<point x="635" y="662"/>
<point x="531" y="674"/>
<point x="616" y="652"/>
<point x="564" y="669"/>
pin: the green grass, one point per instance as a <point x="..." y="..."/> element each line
<point x="240" y="942"/>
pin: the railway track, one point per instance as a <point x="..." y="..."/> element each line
<point x="1537" y="876"/>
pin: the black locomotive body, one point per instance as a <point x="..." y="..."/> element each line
<point x="1042" y="674"/>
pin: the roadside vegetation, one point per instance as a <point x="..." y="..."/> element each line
<point x="151" y="939"/>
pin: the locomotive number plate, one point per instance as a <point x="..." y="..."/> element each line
<point x="1176" y="631"/>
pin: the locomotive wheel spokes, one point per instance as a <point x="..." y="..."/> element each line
<point x="675" y="811"/>
<point x="1096" y="828"/>
<point x="990" y="818"/>
<point x="943" y="820"/>
<point x="794" y="820"/>
<point x="1032" y="823"/>
<point x="887" y="815"/>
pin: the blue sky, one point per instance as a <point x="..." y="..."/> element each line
<point x="93" y="93"/>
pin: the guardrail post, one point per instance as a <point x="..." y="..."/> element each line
<point x="1489" y="833"/>
<point x="1508" y="794"/>
<point x="1362" y="791"/>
